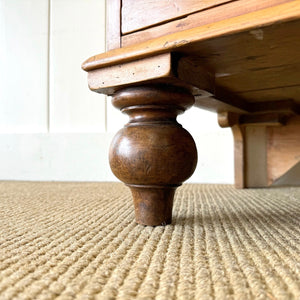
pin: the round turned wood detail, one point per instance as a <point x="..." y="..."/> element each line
<point x="153" y="154"/>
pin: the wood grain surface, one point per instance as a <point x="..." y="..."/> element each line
<point x="138" y="14"/>
<point x="214" y="14"/>
<point x="283" y="149"/>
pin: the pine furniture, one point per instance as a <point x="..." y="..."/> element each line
<point x="240" y="59"/>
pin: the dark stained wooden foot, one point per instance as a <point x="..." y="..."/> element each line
<point x="153" y="204"/>
<point x="153" y="154"/>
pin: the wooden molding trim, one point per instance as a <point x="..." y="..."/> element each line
<point x="266" y="119"/>
<point x="107" y="80"/>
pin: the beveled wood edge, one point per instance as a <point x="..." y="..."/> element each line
<point x="280" y="13"/>
<point x="109" y="79"/>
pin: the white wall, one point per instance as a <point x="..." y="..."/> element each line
<point x="51" y="126"/>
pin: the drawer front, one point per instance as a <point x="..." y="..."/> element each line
<point x="201" y="18"/>
<point x="140" y="14"/>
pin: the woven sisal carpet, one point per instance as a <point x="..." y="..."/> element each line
<point x="79" y="241"/>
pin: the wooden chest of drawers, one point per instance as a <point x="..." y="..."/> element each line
<point x="240" y="59"/>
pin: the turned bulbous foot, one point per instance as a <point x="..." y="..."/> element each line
<point x="153" y="154"/>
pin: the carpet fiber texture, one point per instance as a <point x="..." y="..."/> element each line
<point x="80" y="241"/>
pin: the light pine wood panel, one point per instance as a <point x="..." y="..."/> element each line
<point x="138" y="14"/>
<point x="272" y="94"/>
<point x="256" y="156"/>
<point x="254" y="66"/>
<point x="253" y="50"/>
<point x="259" y="65"/>
<point x="266" y="153"/>
<point x="23" y="66"/>
<point x="225" y="11"/>
<point x="261" y="79"/>
<point x="283" y="149"/>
